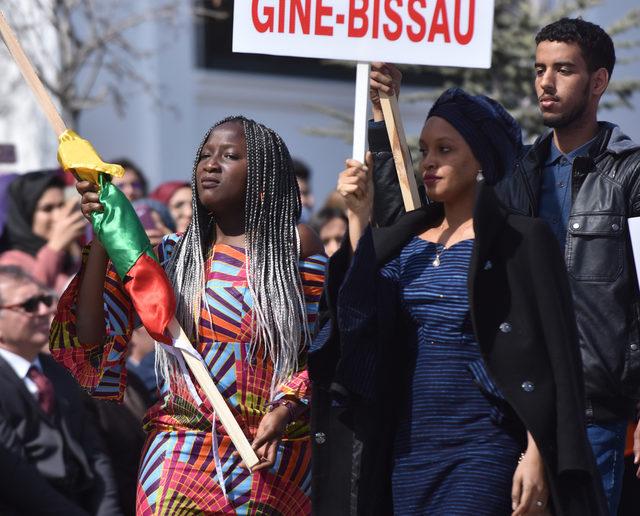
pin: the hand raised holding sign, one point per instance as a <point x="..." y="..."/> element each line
<point x="356" y="187"/>
<point x="385" y="78"/>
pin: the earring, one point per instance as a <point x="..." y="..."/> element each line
<point x="479" y="176"/>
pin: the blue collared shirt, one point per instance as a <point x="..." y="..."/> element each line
<point x="555" y="194"/>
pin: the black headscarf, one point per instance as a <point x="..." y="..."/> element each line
<point x="22" y="198"/>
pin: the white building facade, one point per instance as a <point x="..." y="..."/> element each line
<point x="163" y="141"/>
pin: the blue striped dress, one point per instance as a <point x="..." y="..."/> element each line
<point x="454" y="452"/>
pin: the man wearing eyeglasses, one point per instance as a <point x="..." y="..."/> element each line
<point x="51" y="455"/>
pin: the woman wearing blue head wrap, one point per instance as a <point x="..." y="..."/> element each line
<point x="458" y="345"/>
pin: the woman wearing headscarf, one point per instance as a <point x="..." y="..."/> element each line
<point x="247" y="281"/>
<point x="176" y="195"/>
<point x="458" y="343"/>
<point x="40" y="228"/>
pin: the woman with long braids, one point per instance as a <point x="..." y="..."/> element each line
<point x="247" y="280"/>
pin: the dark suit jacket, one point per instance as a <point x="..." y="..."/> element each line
<point x="51" y="465"/>
<point x="121" y="428"/>
<point x="521" y="310"/>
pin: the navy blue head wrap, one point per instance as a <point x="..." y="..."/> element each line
<point x="494" y="136"/>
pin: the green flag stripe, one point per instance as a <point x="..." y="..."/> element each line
<point x="119" y="229"/>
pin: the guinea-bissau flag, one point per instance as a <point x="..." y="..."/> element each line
<point x="121" y="233"/>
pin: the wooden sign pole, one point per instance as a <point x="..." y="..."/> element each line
<point x="197" y="367"/>
<point x="400" y="150"/>
<point x="360" y="112"/>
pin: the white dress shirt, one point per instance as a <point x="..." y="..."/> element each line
<point x="21" y="367"/>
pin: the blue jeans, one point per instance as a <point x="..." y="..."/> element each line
<point x="607" y="442"/>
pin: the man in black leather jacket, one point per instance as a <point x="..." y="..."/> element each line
<point x="583" y="178"/>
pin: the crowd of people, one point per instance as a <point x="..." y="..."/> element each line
<point x="479" y="355"/>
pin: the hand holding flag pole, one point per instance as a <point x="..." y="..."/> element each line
<point x="130" y="251"/>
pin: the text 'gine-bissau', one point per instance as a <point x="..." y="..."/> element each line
<point x="418" y="20"/>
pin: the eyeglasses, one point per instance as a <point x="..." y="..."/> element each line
<point x="32" y="304"/>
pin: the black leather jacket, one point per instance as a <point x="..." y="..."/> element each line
<point x="599" y="258"/>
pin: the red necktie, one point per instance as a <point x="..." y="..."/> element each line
<point x="46" y="394"/>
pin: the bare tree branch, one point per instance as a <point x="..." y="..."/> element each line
<point x="94" y="41"/>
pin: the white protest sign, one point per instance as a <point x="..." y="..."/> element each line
<point x="634" y="233"/>
<point x="423" y="32"/>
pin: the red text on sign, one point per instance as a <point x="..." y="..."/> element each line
<point x="418" y="20"/>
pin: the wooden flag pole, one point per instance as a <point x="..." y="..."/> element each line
<point x="400" y="150"/>
<point x="197" y="367"/>
<point x="203" y="377"/>
<point x="30" y="75"/>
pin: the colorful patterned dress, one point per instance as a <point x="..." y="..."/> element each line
<point x="178" y="472"/>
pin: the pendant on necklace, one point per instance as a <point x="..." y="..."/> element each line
<point x="436" y="262"/>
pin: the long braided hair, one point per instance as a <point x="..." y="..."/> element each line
<point x="272" y="209"/>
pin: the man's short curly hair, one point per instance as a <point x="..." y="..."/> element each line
<point x="596" y="45"/>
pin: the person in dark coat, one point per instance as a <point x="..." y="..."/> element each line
<point x="121" y="428"/>
<point x="52" y="457"/>
<point x="458" y="338"/>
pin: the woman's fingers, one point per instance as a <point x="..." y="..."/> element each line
<point x="266" y="453"/>
<point x="356" y="190"/>
<point x="86" y="186"/>
<point x="70" y="207"/>
<point x="77" y="219"/>
<point x="89" y="208"/>
<point x="516" y="492"/>
<point x="353" y="163"/>
<point x="354" y="181"/>
<point x="385" y="77"/>
<point x="270" y="454"/>
<point x="353" y="172"/>
<point x="359" y="171"/>
<point x="381" y="82"/>
<point x="70" y="216"/>
<point x="90" y="197"/>
<point x="90" y="200"/>
<point x="360" y="177"/>
<point x="263" y="436"/>
<point x="526" y="500"/>
<point x="531" y="499"/>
